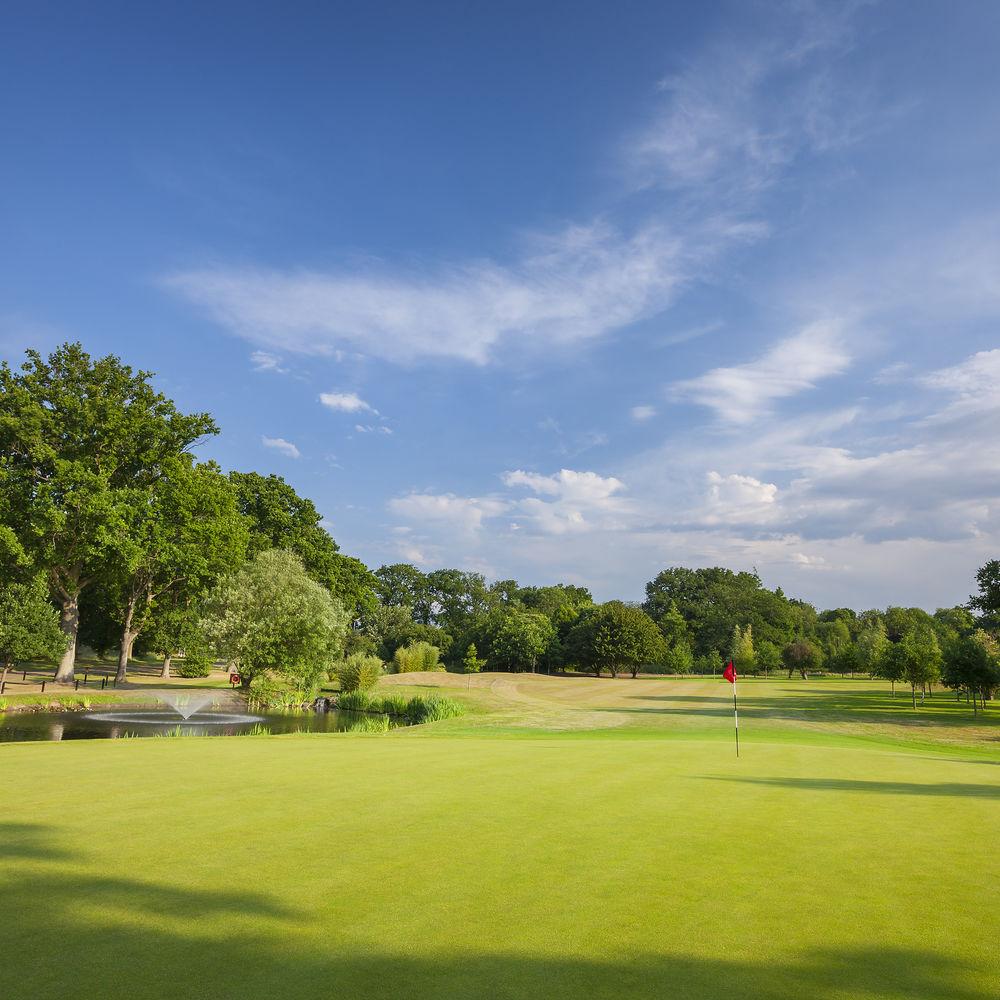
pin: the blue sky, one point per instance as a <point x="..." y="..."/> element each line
<point x="557" y="291"/>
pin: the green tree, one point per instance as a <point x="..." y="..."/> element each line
<point x="891" y="665"/>
<point x="741" y="651"/>
<point x="393" y="626"/>
<point x="403" y="585"/>
<point x="515" y="639"/>
<point x="78" y="439"/>
<point x="921" y="658"/>
<point x="768" y="657"/>
<point x="281" y="519"/>
<point x="987" y="600"/>
<point x="872" y="645"/>
<point x="619" y="637"/>
<point x="471" y="664"/>
<point x="802" y="656"/>
<point x="29" y="625"/>
<point x="181" y="533"/>
<point x="271" y="617"/>
<point x="971" y="664"/>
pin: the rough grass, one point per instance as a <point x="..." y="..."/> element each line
<point x="637" y="859"/>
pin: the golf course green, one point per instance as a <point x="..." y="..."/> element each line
<point x="566" y="838"/>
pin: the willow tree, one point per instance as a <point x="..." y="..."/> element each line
<point x="79" y="441"/>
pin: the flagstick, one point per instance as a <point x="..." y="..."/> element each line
<point x="736" y="718"/>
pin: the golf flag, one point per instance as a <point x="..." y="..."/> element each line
<point x="730" y="674"/>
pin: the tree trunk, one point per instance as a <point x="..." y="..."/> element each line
<point x="913" y="694"/>
<point x="128" y="638"/>
<point x="69" y="622"/>
<point x="7" y="664"/>
<point x="165" y="672"/>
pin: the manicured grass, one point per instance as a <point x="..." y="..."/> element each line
<point x="450" y="862"/>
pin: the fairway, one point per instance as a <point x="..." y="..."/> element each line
<point x="449" y="862"/>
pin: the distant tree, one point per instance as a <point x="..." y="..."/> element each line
<point x="392" y="626"/>
<point x="971" y="664"/>
<point x="618" y="637"/>
<point x="921" y="658"/>
<point x="950" y="623"/>
<point x="270" y="616"/>
<point x="835" y="637"/>
<point x="471" y="664"/>
<point x="891" y="665"/>
<point x="987" y="600"/>
<point x="802" y="656"/>
<point x="281" y="519"/>
<point x="741" y="651"/>
<point x="515" y="639"/>
<point x="29" y="625"/>
<point x="872" y="645"/>
<point x="712" y="601"/>
<point x="677" y="659"/>
<point x="768" y="657"/>
<point x="415" y="658"/>
<point x="181" y="533"/>
<point x="80" y="440"/>
<point x="403" y="585"/>
<point x="847" y="660"/>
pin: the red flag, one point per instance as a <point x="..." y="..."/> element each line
<point x="730" y="672"/>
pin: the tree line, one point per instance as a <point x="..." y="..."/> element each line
<point x="113" y="535"/>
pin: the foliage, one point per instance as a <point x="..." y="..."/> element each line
<point x="872" y="645"/>
<point x="471" y="664"/>
<point x="416" y="657"/>
<point x="195" y="663"/>
<point x="358" y="672"/>
<point x="617" y="637"/>
<point x="971" y="664"/>
<point x="987" y="600"/>
<point x="269" y="616"/>
<point x="81" y="442"/>
<point x="708" y="663"/>
<point x="514" y="639"/>
<point x="392" y="626"/>
<point x="713" y="601"/>
<point x="415" y="710"/>
<point x="280" y="519"/>
<point x="921" y="658"/>
<point x="802" y="656"/>
<point x="741" y="652"/>
<point x="768" y="657"/>
<point x="29" y="625"/>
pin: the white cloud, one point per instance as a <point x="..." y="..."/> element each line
<point x="263" y="361"/>
<point x="345" y="402"/>
<point x="575" y="285"/>
<point x="738" y="499"/>
<point x="974" y="384"/>
<point x="281" y="445"/>
<point x="372" y="429"/>
<point x="463" y="514"/>
<point x="742" y="393"/>
<point x="640" y="414"/>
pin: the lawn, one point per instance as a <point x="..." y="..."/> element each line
<point x="490" y="857"/>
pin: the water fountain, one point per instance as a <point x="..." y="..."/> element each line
<point x="186" y="713"/>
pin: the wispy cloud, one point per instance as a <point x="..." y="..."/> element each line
<point x="282" y="446"/>
<point x="346" y="402"/>
<point x="640" y="414"/>
<point x="263" y="361"/>
<point x="742" y="393"/>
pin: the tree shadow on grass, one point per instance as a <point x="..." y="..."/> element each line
<point x="949" y="789"/>
<point x="73" y="935"/>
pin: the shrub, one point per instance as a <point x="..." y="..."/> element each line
<point x="418" y="656"/>
<point x="267" y="693"/>
<point x="194" y="664"/>
<point x="358" y="672"/>
<point x="415" y="710"/>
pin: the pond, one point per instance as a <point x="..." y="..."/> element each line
<point x="99" y="724"/>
